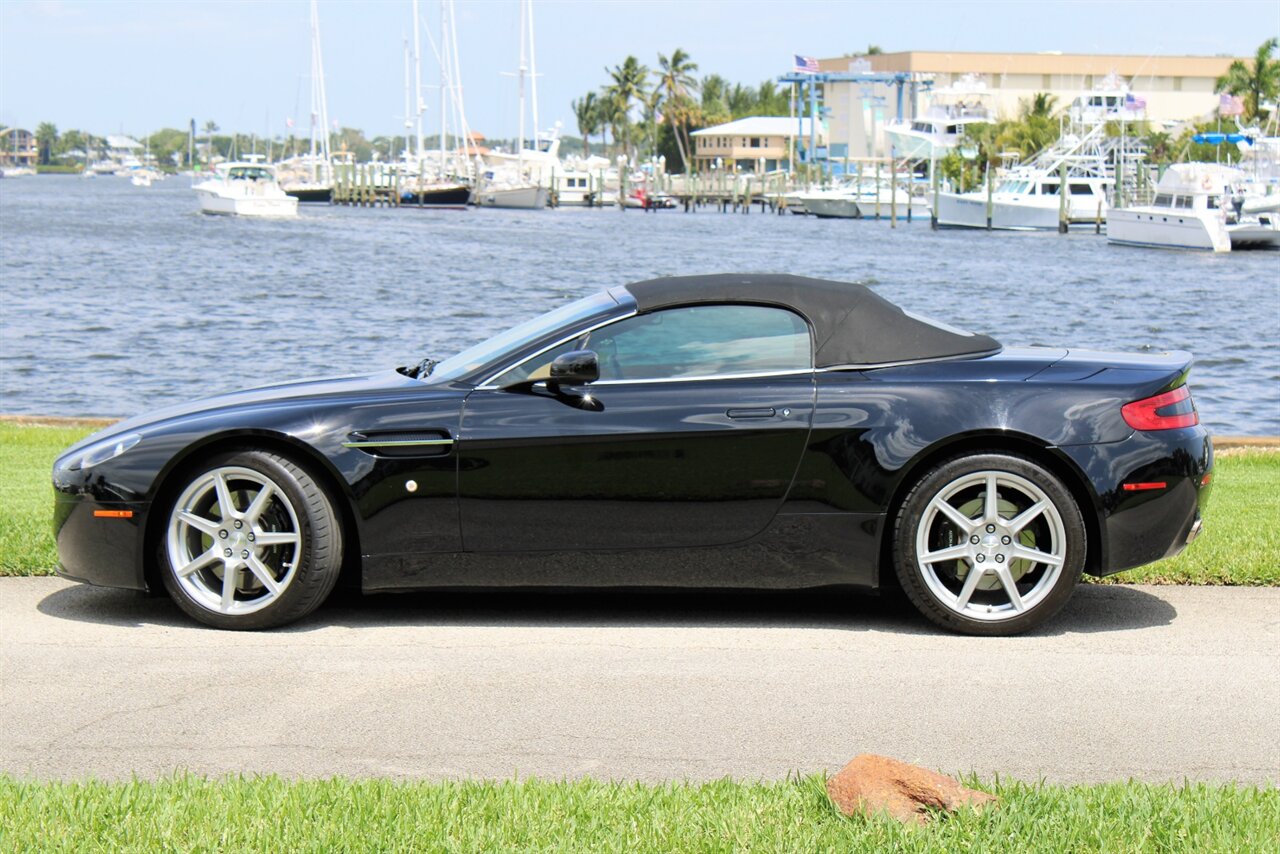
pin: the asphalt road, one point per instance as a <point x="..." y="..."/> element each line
<point x="1155" y="683"/>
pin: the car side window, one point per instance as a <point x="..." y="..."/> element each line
<point x="693" y="341"/>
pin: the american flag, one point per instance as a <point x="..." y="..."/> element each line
<point x="806" y="63"/>
<point x="1134" y="102"/>
<point x="1230" y="105"/>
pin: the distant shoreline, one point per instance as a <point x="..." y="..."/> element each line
<point x="1220" y="443"/>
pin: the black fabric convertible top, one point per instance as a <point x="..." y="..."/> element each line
<point x="852" y="324"/>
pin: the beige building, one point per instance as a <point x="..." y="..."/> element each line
<point x="753" y="144"/>
<point x="1175" y="88"/>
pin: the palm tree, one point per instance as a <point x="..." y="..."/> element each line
<point x="627" y="87"/>
<point x="676" y="83"/>
<point x="587" y="111"/>
<point x="46" y="137"/>
<point x="1258" y="83"/>
<point x="715" y="101"/>
<point x="1041" y="106"/>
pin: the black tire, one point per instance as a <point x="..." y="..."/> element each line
<point x="308" y="575"/>
<point x="937" y="588"/>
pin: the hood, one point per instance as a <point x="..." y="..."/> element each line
<point x="314" y="388"/>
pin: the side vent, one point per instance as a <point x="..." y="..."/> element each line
<point x="402" y="443"/>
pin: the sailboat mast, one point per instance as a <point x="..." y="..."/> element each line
<point x="533" y="75"/>
<point x="444" y="78"/>
<point x="417" y="77"/>
<point x="408" y="121"/>
<point x="521" y="73"/>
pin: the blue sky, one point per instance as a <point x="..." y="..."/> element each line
<point x="136" y="66"/>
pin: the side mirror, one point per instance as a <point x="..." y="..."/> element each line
<point x="577" y="367"/>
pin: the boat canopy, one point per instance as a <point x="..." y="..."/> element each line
<point x="853" y="325"/>
<point x="1219" y="138"/>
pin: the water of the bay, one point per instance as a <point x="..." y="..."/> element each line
<point x="117" y="299"/>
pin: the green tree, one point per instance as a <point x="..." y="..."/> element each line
<point x="715" y="100"/>
<point x="627" y="89"/>
<point x="210" y="128"/>
<point x="587" y="112"/>
<point x="677" y="84"/>
<point x="46" y="139"/>
<point x="1256" y="82"/>
<point x="1041" y="105"/>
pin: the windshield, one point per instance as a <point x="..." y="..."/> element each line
<point x="492" y="350"/>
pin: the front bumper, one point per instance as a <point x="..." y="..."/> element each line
<point x="100" y="542"/>
<point x="1144" y="523"/>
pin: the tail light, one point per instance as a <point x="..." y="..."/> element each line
<point x="1167" y="411"/>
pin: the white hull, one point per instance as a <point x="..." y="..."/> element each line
<point x="1163" y="229"/>
<point x="1025" y="213"/>
<point x="1257" y="235"/>
<point x="215" y="203"/>
<point x="831" y="206"/>
<point x="917" y="207"/>
<point x="917" y="145"/>
<point x="522" y="198"/>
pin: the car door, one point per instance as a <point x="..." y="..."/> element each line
<point x="690" y="437"/>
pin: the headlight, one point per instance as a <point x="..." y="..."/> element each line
<point x="103" y="451"/>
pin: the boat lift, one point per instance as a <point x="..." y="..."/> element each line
<point x="808" y="82"/>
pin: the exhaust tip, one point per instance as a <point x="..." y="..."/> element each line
<point x="1196" y="527"/>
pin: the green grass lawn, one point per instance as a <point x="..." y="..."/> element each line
<point x="1240" y="545"/>
<point x="188" y="813"/>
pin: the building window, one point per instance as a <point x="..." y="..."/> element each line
<point x="1088" y="81"/>
<point x="755" y="142"/>
<point x="1177" y="84"/>
<point x="1046" y="81"/>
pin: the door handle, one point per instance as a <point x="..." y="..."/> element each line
<point x="763" y="412"/>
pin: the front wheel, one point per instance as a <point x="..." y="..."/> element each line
<point x="252" y="542"/>
<point x="989" y="544"/>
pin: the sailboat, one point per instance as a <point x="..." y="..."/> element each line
<point x="509" y="185"/>
<point x="310" y="178"/>
<point x="435" y="185"/>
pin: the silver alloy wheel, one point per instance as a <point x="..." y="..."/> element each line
<point x="234" y="540"/>
<point x="991" y="545"/>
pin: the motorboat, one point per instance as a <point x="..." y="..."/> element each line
<point x="510" y="192"/>
<point x="245" y="188"/>
<point x="1197" y="206"/>
<point x="931" y="135"/>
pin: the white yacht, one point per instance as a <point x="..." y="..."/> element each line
<point x="1197" y="206"/>
<point x="247" y="188"/>
<point x="511" y="192"/>
<point x="931" y="135"/>
<point x="1029" y="197"/>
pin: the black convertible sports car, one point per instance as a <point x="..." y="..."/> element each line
<point x="732" y="430"/>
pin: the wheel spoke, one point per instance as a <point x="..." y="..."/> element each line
<point x="230" y="575"/>
<point x="961" y="521"/>
<point x="952" y="553"/>
<point x="200" y="523"/>
<point x="970" y="585"/>
<point x="199" y="562"/>
<point x="1024" y="553"/>
<point x="276" y="538"/>
<point x="991" y="512"/>
<point x="225" y="503"/>
<point x="264" y="575"/>
<point x="259" y="503"/>
<point x="1017" y="523"/>
<point x="1010" y="588"/>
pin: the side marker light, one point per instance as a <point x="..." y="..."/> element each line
<point x="1139" y="487"/>
<point x="113" y="514"/>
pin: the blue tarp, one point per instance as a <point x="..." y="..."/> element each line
<point x="1219" y="138"/>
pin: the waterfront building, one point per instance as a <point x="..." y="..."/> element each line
<point x="753" y="144"/>
<point x="1174" y="89"/>
<point x="18" y="148"/>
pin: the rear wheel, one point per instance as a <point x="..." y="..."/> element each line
<point x="989" y="544"/>
<point x="252" y="542"/>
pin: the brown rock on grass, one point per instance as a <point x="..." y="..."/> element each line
<point x="871" y="784"/>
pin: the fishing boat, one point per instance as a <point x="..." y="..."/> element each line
<point x="1033" y="196"/>
<point x="931" y="135"/>
<point x="1197" y="206"/>
<point x="245" y="188"/>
